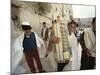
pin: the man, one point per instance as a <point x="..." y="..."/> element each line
<point x="44" y="32"/>
<point x="88" y="43"/>
<point x="59" y="43"/>
<point x="30" y="43"/>
<point x="59" y="39"/>
<point x="44" y="35"/>
<point x="55" y="51"/>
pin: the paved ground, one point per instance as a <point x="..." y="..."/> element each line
<point x="49" y="65"/>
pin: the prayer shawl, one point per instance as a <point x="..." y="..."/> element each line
<point x="90" y="41"/>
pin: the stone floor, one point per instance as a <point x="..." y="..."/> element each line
<point x="48" y="63"/>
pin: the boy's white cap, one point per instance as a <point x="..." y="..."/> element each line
<point x="26" y="24"/>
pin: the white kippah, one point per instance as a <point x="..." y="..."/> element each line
<point x="25" y="24"/>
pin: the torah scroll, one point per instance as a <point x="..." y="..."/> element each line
<point x="62" y="47"/>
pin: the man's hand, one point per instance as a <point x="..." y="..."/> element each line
<point x="46" y="55"/>
<point x="88" y="53"/>
<point x="55" y="40"/>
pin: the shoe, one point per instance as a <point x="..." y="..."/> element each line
<point x="42" y="71"/>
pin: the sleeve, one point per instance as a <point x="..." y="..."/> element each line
<point x="42" y="32"/>
<point x="17" y="52"/>
<point x="17" y="46"/>
<point x="88" y="43"/>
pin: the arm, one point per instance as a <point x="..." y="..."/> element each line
<point x="90" y="42"/>
<point x="42" y="32"/>
<point x="82" y="43"/>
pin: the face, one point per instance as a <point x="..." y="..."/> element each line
<point x="58" y="17"/>
<point x="44" y="25"/>
<point x="72" y="28"/>
<point x="28" y="31"/>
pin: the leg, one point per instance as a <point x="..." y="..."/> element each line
<point x="84" y="61"/>
<point x="61" y="66"/>
<point x="30" y="62"/>
<point x="37" y="59"/>
<point x="91" y="63"/>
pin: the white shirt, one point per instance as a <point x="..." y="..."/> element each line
<point x="76" y="52"/>
<point x="44" y="30"/>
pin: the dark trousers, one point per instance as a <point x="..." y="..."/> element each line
<point x="87" y="62"/>
<point x="60" y="66"/>
<point x="29" y="59"/>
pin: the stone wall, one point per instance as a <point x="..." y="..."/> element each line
<point x="29" y="12"/>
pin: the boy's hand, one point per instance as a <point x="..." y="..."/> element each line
<point x="46" y="55"/>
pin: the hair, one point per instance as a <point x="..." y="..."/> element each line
<point x="94" y="19"/>
<point x="51" y="28"/>
<point x="26" y="27"/>
<point x="72" y="22"/>
<point x="44" y="23"/>
<point x="58" y="16"/>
